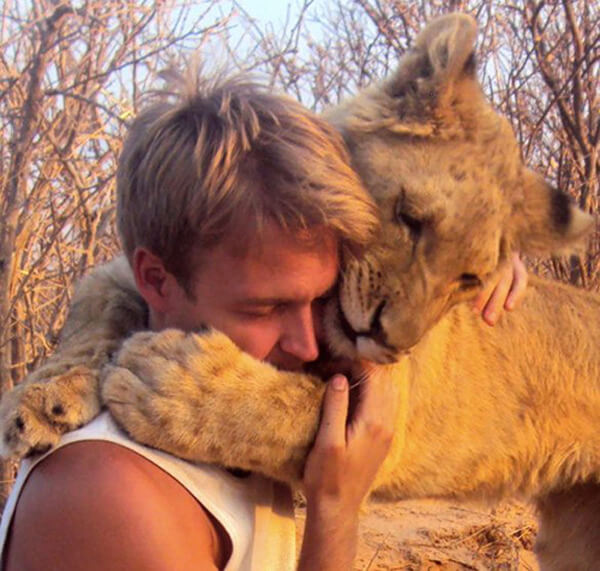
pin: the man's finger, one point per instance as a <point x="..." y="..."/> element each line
<point x="492" y="298"/>
<point x="519" y="283"/>
<point x="332" y="430"/>
<point x="484" y="295"/>
<point x="494" y="306"/>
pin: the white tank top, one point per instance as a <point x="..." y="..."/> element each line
<point x="257" y="513"/>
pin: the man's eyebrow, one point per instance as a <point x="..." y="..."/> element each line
<point x="277" y="300"/>
<point x="265" y="300"/>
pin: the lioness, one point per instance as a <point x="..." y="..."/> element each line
<point x="486" y="413"/>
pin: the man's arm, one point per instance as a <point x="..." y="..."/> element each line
<point x="99" y="506"/>
<point x="342" y="466"/>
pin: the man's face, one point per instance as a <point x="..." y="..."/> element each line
<point x="268" y="301"/>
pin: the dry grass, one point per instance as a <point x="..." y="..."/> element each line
<point x="432" y="535"/>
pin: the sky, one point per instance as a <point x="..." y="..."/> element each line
<point x="273" y="11"/>
<point x="269" y="16"/>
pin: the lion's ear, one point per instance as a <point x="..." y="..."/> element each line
<point x="449" y="43"/>
<point x="547" y="221"/>
<point x="442" y="53"/>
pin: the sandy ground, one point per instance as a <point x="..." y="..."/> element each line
<point x="432" y="535"/>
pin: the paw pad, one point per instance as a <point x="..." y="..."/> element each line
<point x="20" y="423"/>
<point x="58" y="410"/>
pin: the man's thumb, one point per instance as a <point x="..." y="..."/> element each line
<point x="332" y="431"/>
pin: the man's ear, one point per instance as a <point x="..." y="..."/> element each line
<point x="154" y="282"/>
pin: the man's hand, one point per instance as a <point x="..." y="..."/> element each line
<point x="341" y="468"/>
<point x="503" y="290"/>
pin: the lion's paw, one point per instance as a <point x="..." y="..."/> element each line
<point x="161" y="387"/>
<point x="34" y="415"/>
<point x="165" y="359"/>
<point x="133" y="403"/>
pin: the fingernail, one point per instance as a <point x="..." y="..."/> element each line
<point x="491" y="316"/>
<point x="339" y="383"/>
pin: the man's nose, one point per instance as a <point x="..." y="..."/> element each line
<point x="299" y="337"/>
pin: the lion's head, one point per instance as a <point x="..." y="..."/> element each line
<point x="454" y="195"/>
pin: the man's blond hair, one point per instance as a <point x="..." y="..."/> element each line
<point x="212" y="158"/>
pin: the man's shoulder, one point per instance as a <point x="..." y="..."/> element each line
<point x="104" y="506"/>
<point x="100" y="475"/>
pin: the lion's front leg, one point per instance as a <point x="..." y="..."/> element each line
<point x="201" y="398"/>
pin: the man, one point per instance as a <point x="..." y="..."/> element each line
<point x="233" y="205"/>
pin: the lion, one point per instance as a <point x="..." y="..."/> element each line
<point x="486" y="413"/>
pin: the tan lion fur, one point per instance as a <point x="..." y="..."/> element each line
<point x="485" y="412"/>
